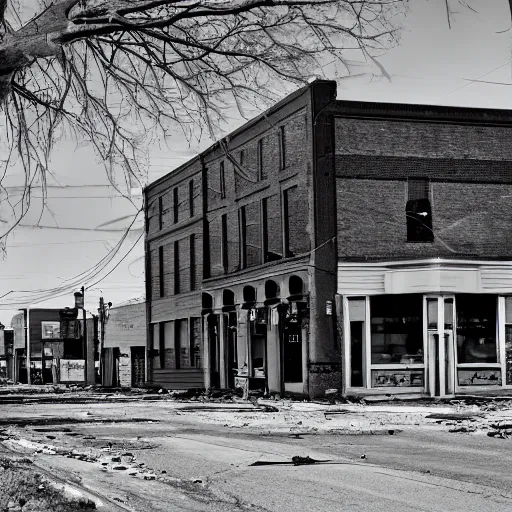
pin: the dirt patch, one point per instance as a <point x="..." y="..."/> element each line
<point x="24" y="489"/>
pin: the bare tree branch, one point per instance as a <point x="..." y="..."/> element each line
<point x="119" y="74"/>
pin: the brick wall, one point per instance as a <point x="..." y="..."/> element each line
<point x="469" y="168"/>
<point x="434" y="140"/>
<point x="468" y="219"/>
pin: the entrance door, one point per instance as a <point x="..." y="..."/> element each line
<point x="440" y="345"/>
<point x="138" y="366"/>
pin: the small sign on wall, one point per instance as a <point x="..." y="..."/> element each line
<point x="50" y="330"/>
<point x="72" y="370"/>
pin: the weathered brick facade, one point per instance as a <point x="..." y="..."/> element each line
<point x="288" y="197"/>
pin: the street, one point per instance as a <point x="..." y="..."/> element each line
<point x="163" y="456"/>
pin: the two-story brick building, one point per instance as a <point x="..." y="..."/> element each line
<point x="348" y="245"/>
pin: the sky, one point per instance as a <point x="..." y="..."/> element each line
<point x="433" y="64"/>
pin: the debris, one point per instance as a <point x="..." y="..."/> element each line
<point x="363" y="456"/>
<point x="455" y="415"/>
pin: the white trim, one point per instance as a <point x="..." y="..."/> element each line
<point x="478" y="365"/>
<point x="368" y="343"/>
<point x="426" y="262"/>
<point x="398" y="366"/>
<point x="346" y="343"/>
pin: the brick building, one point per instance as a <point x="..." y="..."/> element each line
<point x="348" y="245"/>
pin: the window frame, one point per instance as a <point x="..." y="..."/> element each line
<point x="222" y="179"/>
<point x="282" y="147"/>
<point x="176" y="267"/>
<point x="175" y="197"/>
<point x="161" y="276"/>
<point x="191" y="197"/>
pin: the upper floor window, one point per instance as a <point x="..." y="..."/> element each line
<point x="191" y="197"/>
<point x="222" y="181"/>
<point x="192" y="245"/>
<point x="282" y="148"/>
<point x="260" y="159"/>
<point x="418" y="211"/>
<point x="161" y="270"/>
<point x="160" y="212"/>
<point x="176" y="205"/>
<point x="224" y="240"/>
<point x="176" y="267"/>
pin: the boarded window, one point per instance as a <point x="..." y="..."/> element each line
<point x="192" y="242"/>
<point x="224" y="247"/>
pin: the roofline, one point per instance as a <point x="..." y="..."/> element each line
<point x="424" y="111"/>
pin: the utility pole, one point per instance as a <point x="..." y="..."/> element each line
<point x="80" y="304"/>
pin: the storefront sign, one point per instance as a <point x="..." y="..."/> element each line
<point x="72" y="370"/>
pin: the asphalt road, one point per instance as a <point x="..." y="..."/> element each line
<point x="209" y="467"/>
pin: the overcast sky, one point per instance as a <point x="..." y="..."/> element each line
<point x="432" y="65"/>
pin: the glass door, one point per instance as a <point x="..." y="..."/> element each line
<point x="440" y="345"/>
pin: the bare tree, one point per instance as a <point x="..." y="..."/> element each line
<point x="117" y="73"/>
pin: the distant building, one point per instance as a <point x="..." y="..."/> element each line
<point x="335" y="244"/>
<point x="125" y="345"/>
<point x="53" y="345"/>
<point x="6" y="352"/>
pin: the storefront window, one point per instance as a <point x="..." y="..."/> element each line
<point x="476" y="329"/>
<point x="397" y="329"/>
<point x="508" y="340"/>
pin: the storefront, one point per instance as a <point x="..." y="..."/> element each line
<point x="256" y="335"/>
<point x="433" y="343"/>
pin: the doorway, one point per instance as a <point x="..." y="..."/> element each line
<point x="440" y="314"/>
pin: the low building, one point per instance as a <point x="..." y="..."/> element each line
<point x="52" y="346"/>
<point x="125" y="345"/>
<point x="350" y="245"/>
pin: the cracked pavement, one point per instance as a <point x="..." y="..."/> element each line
<point x="162" y="456"/>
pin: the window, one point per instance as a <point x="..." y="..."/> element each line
<point x="191" y="197"/>
<point x="286" y="224"/>
<point x="260" y="159"/>
<point x="192" y="262"/>
<point x="175" y="204"/>
<point x="176" y="267"/>
<point x="242" y="156"/>
<point x="418" y="211"/>
<point x="222" y="182"/>
<point x="396" y="329"/>
<point x="508" y="340"/>
<point x="282" y="148"/>
<point x="161" y="343"/>
<point x="161" y="270"/>
<point x="160" y="212"/>
<point x="272" y="232"/>
<point x="243" y="238"/>
<point x="224" y="247"/>
<point x="476" y="329"/>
